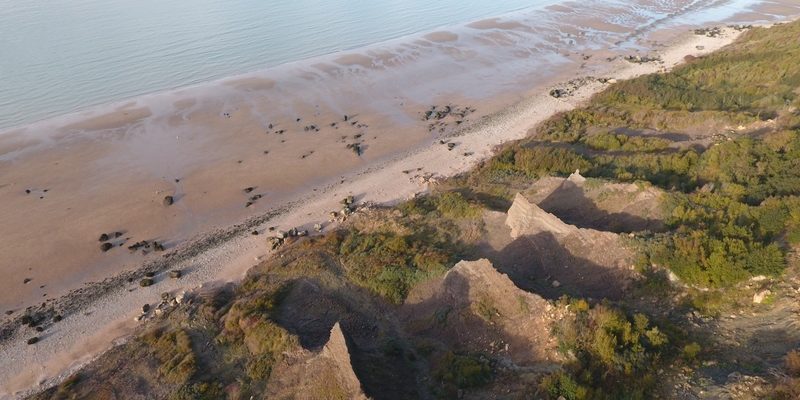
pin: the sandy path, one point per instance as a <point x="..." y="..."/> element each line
<point x="77" y="339"/>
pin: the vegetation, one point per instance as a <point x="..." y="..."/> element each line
<point x="735" y="200"/>
<point x="533" y="162"/>
<point x="389" y="264"/>
<point x="620" y="142"/>
<point x="458" y="371"/>
<point x="789" y="387"/>
<point x="614" y="355"/>
<point x="720" y="135"/>
<point x="174" y="351"/>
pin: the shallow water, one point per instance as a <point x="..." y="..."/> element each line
<point x="60" y="56"/>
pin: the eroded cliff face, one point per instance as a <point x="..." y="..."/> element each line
<point x="476" y="308"/>
<point x="600" y="205"/>
<point x="542" y="253"/>
<point x="327" y="374"/>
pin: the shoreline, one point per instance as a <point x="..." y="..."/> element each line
<point x="64" y="182"/>
<point x="225" y="255"/>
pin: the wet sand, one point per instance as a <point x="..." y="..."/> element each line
<point x="108" y="170"/>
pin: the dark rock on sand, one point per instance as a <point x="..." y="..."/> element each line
<point x="642" y="60"/>
<point x="106" y="246"/>
<point x="558" y="93"/>
<point x="276" y="242"/>
<point x="145" y="282"/>
<point x="145" y="308"/>
<point x="175" y="274"/>
<point x="26" y="280"/>
<point x="168" y="200"/>
<point x="57" y="318"/>
<point x="709" y="32"/>
<point x="356" y="147"/>
<point x="137" y="246"/>
<point x="33" y="340"/>
<point x="103" y="237"/>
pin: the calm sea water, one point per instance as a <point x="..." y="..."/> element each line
<point x="60" y="56"/>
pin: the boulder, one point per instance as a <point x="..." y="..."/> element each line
<point x="759" y="297"/>
<point x="168" y="201"/>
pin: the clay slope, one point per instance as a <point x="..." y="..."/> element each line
<point x="311" y="307"/>
<point x="475" y="308"/>
<point x="542" y="253"/>
<point x="606" y="206"/>
<point x="325" y="375"/>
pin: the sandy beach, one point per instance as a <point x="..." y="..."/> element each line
<point x="244" y="156"/>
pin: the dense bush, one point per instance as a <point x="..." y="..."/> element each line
<point x="390" y="264"/>
<point x="534" y="162"/>
<point x="463" y="371"/>
<point x="173" y="349"/>
<point x="561" y="384"/>
<point x="619" y="142"/>
<point x="614" y="354"/>
<point x="450" y="205"/>
<point x="718" y="241"/>
<point x="671" y="170"/>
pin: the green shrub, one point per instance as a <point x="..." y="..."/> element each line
<point x="390" y="264"/>
<point x="199" y="391"/>
<point x="561" y="384"/>
<point x="691" y="351"/>
<point x="617" y="142"/>
<point x="453" y="205"/>
<point x="610" y="350"/>
<point x="533" y="162"/>
<point x="463" y="371"/>
<point x="173" y="349"/>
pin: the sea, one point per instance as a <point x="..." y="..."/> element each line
<point x="62" y="56"/>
